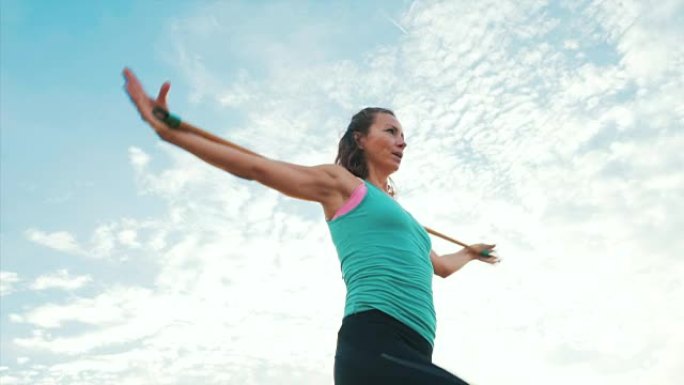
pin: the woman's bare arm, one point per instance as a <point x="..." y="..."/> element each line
<point x="448" y="264"/>
<point x="317" y="183"/>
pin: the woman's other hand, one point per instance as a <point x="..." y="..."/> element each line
<point x="146" y="104"/>
<point x="483" y="252"/>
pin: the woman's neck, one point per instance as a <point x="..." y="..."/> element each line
<point x="378" y="181"/>
<point x="379" y="177"/>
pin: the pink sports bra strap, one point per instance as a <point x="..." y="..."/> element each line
<point x="353" y="201"/>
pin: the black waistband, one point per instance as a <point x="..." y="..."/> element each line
<point x="375" y="330"/>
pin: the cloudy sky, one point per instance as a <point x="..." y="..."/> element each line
<point x="553" y="130"/>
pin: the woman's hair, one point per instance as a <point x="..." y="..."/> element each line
<point x="349" y="155"/>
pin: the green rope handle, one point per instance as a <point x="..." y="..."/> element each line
<point x="172" y="121"/>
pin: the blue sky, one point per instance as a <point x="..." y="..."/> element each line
<point x="551" y="129"/>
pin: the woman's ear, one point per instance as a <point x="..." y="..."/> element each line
<point x="357" y="139"/>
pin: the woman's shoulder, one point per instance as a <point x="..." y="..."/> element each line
<point x="346" y="181"/>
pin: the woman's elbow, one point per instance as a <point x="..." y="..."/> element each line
<point x="439" y="271"/>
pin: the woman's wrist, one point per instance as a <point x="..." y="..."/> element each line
<point x="170" y="120"/>
<point x="168" y="135"/>
<point x="469" y="254"/>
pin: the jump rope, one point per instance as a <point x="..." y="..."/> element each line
<point x="174" y="122"/>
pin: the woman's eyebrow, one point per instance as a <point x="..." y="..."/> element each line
<point x="397" y="128"/>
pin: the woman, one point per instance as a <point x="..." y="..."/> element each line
<point x="389" y="324"/>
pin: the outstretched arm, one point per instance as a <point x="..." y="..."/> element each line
<point x="315" y="183"/>
<point x="448" y="264"/>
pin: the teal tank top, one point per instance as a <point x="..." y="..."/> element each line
<point x="385" y="259"/>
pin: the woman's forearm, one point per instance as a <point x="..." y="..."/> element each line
<point x="455" y="261"/>
<point x="234" y="161"/>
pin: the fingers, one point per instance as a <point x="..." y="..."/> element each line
<point x="133" y="87"/>
<point x="493" y="260"/>
<point x="484" y="246"/>
<point x="163" y="91"/>
<point x="132" y="82"/>
<point x="486" y="253"/>
<point x="127" y="73"/>
<point x="138" y="96"/>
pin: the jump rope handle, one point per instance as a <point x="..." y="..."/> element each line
<point x="170" y="120"/>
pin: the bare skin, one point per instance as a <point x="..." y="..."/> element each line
<point x="328" y="184"/>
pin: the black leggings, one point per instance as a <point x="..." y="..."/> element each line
<point x="375" y="348"/>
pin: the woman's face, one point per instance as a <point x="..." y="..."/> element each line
<point x="384" y="144"/>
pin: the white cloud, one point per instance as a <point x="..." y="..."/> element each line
<point x="128" y="237"/>
<point x="116" y="240"/>
<point x="8" y="279"/>
<point x="138" y="158"/>
<point x="9" y="380"/>
<point x="105" y="309"/>
<point x="645" y="36"/>
<point x="571" y="44"/>
<point x="60" y="280"/>
<point x="59" y="240"/>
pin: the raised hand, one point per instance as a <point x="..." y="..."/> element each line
<point x="146" y="104"/>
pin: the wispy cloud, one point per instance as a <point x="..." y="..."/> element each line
<point x="60" y="280"/>
<point x="8" y="280"/>
<point x="395" y="23"/>
<point x="138" y="158"/>
<point x="59" y="240"/>
<point x="115" y="240"/>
